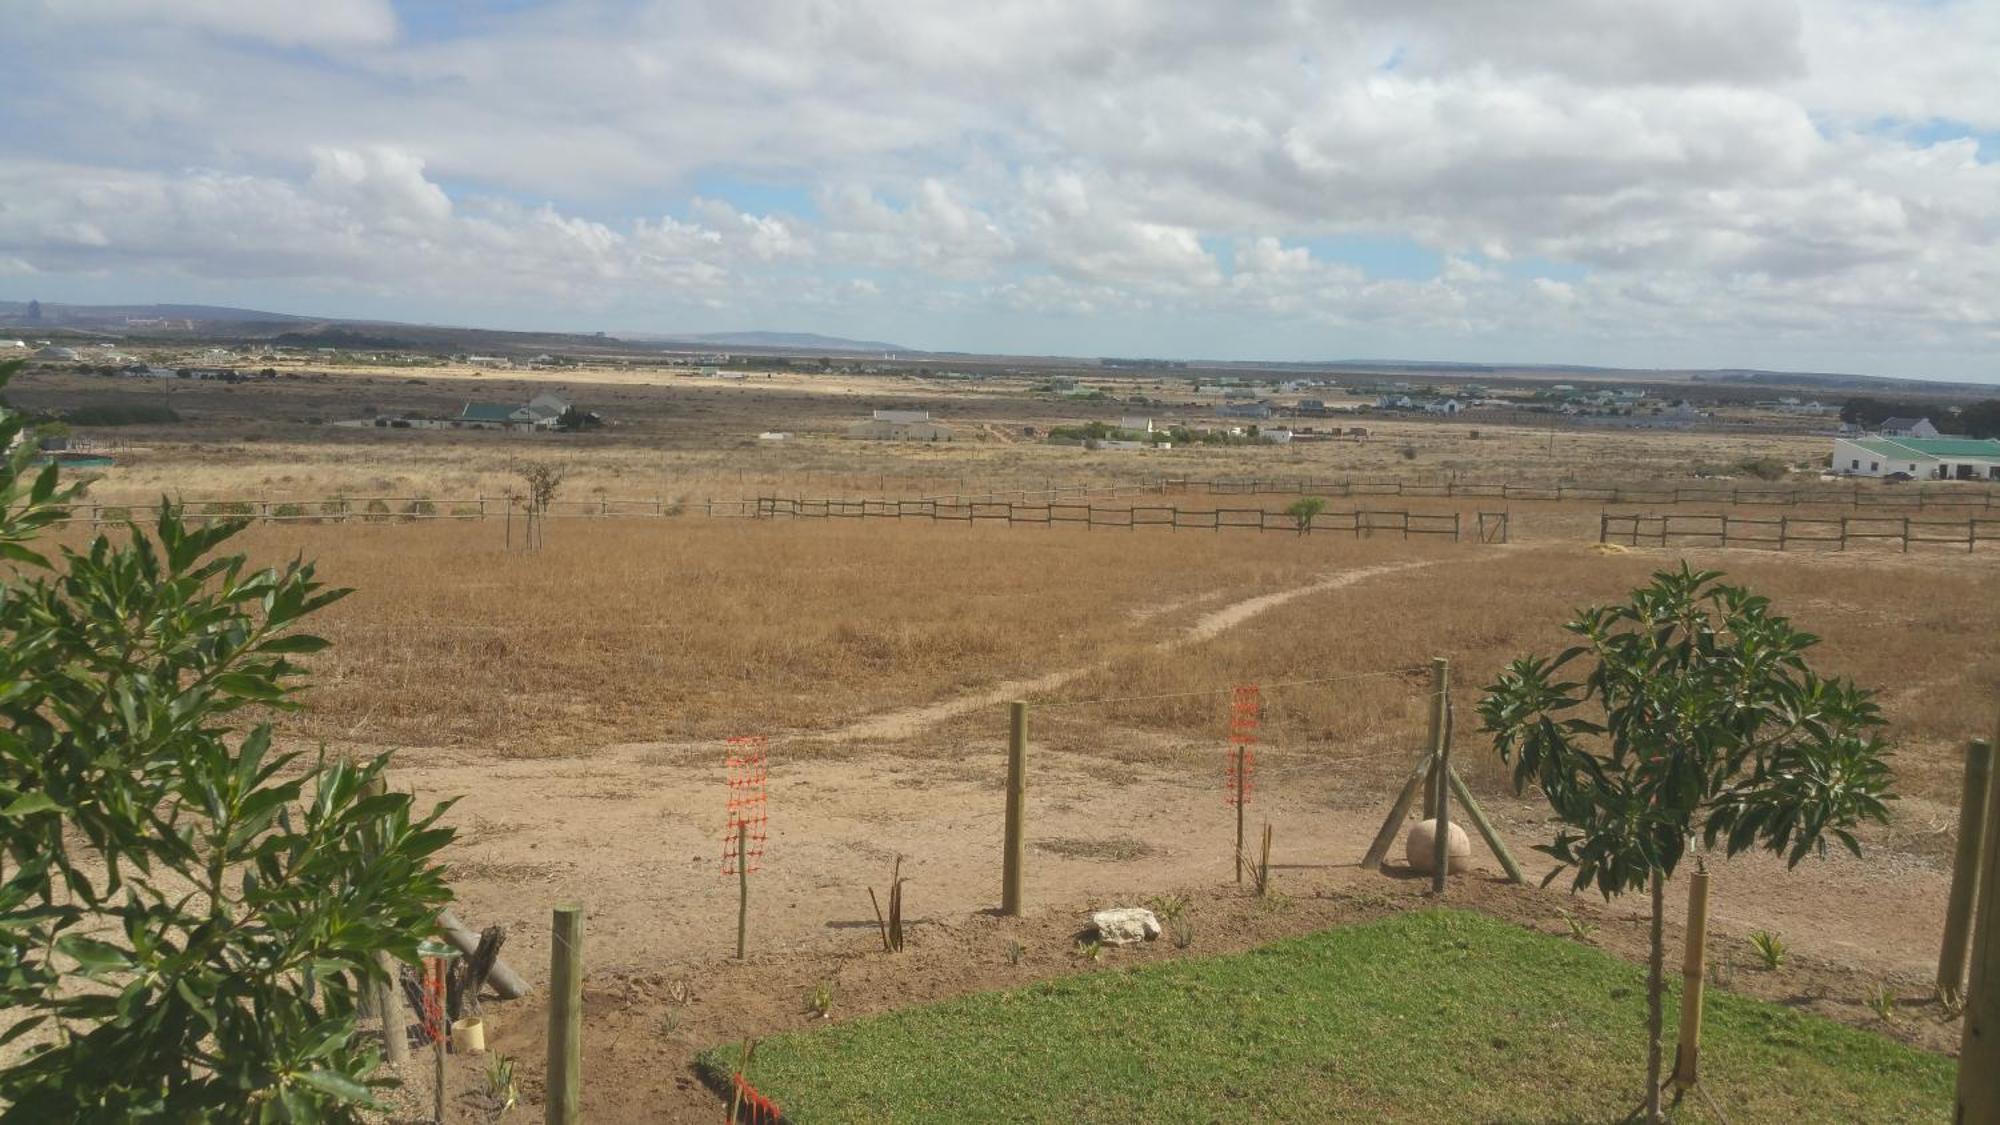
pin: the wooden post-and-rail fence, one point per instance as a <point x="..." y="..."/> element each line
<point x="1944" y="494"/>
<point x="1359" y="523"/>
<point x="1784" y="533"/>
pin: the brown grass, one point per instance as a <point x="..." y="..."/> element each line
<point x="661" y="630"/>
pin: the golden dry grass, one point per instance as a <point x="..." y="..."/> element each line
<point x="659" y="630"/>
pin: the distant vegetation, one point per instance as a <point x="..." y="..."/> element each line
<point x="120" y="414"/>
<point x="1979" y="420"/>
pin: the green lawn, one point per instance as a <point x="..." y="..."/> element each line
<point x="1442" y="1015"/>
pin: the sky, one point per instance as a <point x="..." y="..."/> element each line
<point x="1792" y="184"/>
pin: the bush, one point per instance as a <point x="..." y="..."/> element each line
<point x="1763" y="468"/>
<point x="420" y="507"/>
<point x="288" y="511"/>
<point x="192" y="913"/>
<point x="121" y="414"/>
<point x="377" y="510"/>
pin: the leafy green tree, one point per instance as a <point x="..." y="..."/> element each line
<point x="187" y="915"/>
<point x="1304" y="509"/>
<point x="1696" y="716"/>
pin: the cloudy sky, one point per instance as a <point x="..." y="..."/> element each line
<point x="1773" y="183"/>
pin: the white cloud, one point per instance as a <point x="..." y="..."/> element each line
<point x="1717" y="174"/>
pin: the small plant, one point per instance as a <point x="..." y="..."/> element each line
<point x="1181" y="929"/>
<point x="1090" y="950"/>
<point x="820" y="1003"/>
<point x="1771" y="948"/>
<point x="1260" y="872"/>
<point x="1015" y="951"/>
<point x="1580" y="928"/>
<point x="1722" y="973"/>
<point x="377" y="510"/>
<point x="501" y="1093"/>
<point x="1303" y="510"/>
<point x="892" y="927"/>
<point x="1882" y="1001"/>
<point x="1167" y="907"/>
<point x="288" y="511"/>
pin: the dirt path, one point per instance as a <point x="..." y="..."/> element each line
<point x="912" y="721"/>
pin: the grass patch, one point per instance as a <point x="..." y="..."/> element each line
<point x="1439" y="1014"/>
<point x="1117" y="849"/>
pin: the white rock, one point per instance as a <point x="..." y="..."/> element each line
<point x="1125" y="925"/>
<point x="1420" y="848"/>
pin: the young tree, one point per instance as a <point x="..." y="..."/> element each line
<point x="1304" y="509"/>
<point x="1704" y="719"/>
<point x="543" y="479"/>
<point x="187" y="916"/>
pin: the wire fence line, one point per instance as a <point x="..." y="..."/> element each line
<point x="1944" y="494"/>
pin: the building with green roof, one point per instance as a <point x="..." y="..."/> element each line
<point x="1939" y="458"/>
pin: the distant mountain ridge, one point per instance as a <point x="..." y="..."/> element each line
<point x="57" y="315"/>
<point x="802" y="341"/>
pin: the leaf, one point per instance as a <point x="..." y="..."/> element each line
<point x="93" y="957"/>
<point x="336" y="1084"/>
<point x="28" y="804"/>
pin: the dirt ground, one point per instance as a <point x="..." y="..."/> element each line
<point x="634" y="833"/>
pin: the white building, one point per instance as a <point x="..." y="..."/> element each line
<point x="1275" y="437"/>
<point x="1918" y="458"/>
<point x="900" y="425"/>
<point x="1136" y="424"/>
<point x="1908" y="427"/>
<point x="1444" y="406"/>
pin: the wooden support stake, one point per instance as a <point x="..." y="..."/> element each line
<point x="1398" y="813"/>
<point x="1439" y="673"/>
<point x="1478" y="817"/>
<point x="1687" y="1055"/>
<point x="1014" y="847"/>
<point x="1241" y="857"/>
<point x="742" y="890"/>
<point x="507" y="984"/>
<point x="565" y="1065"/>
<point x="1978" y="1097"/>
<point x="1972" y="828"/>
<point x="1441" y="753"/>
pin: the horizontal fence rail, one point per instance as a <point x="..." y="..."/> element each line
<point x="1944" y="494"/>
<point x="1785" y="533"/>
<point x="1360" y="522"/>
<point x="380" y="509"/>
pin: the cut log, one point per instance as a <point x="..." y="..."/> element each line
<point x="507" y="983"/>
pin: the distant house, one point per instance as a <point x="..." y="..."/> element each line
<point x="900" y="425"/>
<point x="1312" y="406"/>
<point x="13" y="343"/>
<point x="1275" y="437"/>
<point x="1244" y="410"/>
<point x="1136" y="424"/>
<point x="1908" y="427"/>
<point x="543" y="412"/>
<point x="1917" y="458"/>
<point x="1443" y="406"/>
<point x="54" y="352"/>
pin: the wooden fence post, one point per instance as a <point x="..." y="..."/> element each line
<point x="1441" y="748"/>
<point x="742" y="890"/>
<point x="1015" y="847"/>
<point x="565" y="1065"/>
<point x="1972" y="815"/>
<point x="1685" y="1058"/>
<point x="1978" y="1097"/>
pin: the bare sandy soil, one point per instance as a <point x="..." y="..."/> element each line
<point x="634" y="833"/>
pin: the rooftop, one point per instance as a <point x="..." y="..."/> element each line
<point x="1981" y="448"/>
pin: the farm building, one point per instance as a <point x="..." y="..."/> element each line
<point x="541" y="413"/>
<point x="1908" y="428"/>
<point x="1244" y="410"/>
<point x="1136" y="424"/>
<point x="900" y="425"/>
<point x="1918" y="458"/>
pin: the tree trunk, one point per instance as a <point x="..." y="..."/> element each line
<point x="1655" y="998"/>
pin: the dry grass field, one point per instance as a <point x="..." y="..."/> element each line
<point x="576" y="697"/>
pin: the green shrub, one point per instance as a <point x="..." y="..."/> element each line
<point x="192" y="913"/>
<point x="421" y="506"/>
<point x="288" y="511"/>
<point x="121" y="414"/>
<point x="377" y="510"/>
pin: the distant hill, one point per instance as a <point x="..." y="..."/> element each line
<point x="802" y="341"/>
<point x="115" y="316"/>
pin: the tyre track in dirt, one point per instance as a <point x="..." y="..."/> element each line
<point x="911" y="721"/>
